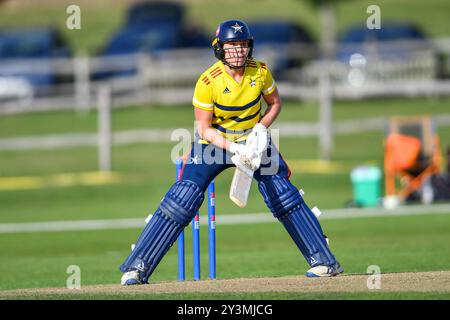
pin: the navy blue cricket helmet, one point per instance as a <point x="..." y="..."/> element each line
<point x="231" y="30"/>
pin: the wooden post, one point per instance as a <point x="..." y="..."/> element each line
<point x="82" y="83"/>
<point x="104" y="129"/>
<point x="325" y="89"/>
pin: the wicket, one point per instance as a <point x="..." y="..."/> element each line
<point x="196" y="236"/>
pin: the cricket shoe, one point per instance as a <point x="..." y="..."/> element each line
<point x="324" y="271"/>
<point x="131" y="278"/>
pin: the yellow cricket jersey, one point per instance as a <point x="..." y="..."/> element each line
<point x="236" y="106"/>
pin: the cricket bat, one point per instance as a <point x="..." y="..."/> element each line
<point x="241" y="183"/>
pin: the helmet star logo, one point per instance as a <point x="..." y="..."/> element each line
<point x="237" y="28"/>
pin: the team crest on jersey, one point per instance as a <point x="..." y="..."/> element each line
<point x="195" y="159"/>
<point x="252" y="83"/>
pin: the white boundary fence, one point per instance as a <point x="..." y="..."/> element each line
<point x="118" y="138"/>
<point x="104" y="139"/>
<point x="168" y="77"/>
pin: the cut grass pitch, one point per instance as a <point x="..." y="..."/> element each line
<point x="431" y="284"/>
<point x="375" y="295"/>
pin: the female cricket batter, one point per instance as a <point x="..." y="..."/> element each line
<point x="227" y="106"/>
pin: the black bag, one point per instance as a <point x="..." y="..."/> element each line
<point x="441" y="187"/>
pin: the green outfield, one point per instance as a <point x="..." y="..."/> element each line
<point x="147" y="171"/>
<point x="37" y="260"/>
<point x="395" y="244"/>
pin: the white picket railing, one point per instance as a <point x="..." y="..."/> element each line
<point x="169" y="77"/>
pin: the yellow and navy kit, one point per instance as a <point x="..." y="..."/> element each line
<point x="236" y="106"/>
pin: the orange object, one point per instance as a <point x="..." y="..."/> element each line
<point x="402" y="151"/>
<point x="412" y="154"/>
